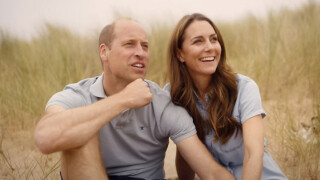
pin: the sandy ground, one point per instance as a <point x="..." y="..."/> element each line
<point x="20" y="159"/>
<point x="169" y="162"/>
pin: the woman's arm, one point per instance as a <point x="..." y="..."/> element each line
<point x="184" y="171"/>
<point x="254" y="148"/>
<point x="201" y="161"/>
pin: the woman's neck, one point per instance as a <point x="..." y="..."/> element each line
<point x="202" y="85"/>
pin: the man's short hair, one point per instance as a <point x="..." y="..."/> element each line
<point x="107" y="35"/>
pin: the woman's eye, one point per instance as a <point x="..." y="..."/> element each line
<point x="214" y="39"/>
<point x="196" y="41"/>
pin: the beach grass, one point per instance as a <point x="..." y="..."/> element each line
<point x="280" y="52"/>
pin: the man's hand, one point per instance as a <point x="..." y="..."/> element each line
<point x="137" y="94"/>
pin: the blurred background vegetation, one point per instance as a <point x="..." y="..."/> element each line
<point x="281" y="52"/>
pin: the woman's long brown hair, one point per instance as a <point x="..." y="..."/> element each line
<point x="222" y="91"/>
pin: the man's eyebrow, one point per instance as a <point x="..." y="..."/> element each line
<point x="133" y="40"/>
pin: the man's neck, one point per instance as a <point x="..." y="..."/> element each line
<point x="112" y="86"/>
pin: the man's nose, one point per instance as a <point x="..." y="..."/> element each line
<point x="140" y="51"/>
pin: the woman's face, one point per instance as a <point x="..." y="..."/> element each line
<point x="201" y="49"/>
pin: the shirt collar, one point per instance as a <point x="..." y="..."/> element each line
<point x="97" y="89"/>
<point x="199" y="102"/>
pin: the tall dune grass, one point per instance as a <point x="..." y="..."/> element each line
<point x="31" y="71"/>
<point x="280" y="52"/>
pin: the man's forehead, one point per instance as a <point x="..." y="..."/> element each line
<point x="132" y="39"/>
<point x="129" y="29"/>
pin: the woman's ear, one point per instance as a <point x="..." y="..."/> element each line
<point x="180" y="56"/>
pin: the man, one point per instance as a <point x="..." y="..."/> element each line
<point x="130" y="119"/>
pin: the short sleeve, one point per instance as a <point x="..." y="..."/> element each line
<point x="249" y="101"/>
<point x="68" y="98"/>
<point x="177" y="123"/>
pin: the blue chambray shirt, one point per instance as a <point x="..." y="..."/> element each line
<point x="231" y="154"/>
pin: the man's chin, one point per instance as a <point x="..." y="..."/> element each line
<point x="135" y="78"/>
<point x="139" y="76"/>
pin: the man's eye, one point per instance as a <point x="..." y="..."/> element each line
<point x="145" y="46"/>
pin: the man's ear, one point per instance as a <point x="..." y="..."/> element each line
<point x="104" y="52"/>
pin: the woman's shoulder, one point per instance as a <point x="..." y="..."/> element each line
<point x="245" y="81"/>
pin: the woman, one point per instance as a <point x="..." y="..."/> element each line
<point x="226" y="107"/>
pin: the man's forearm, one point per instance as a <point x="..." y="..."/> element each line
<point x="67" y="129"/>
<point x="62" y="129"/>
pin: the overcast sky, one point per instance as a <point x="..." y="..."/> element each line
<point x="24" y="18"/>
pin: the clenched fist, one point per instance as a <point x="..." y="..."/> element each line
<point x="137" y="94"/>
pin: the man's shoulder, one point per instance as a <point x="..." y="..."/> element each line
<point x="161" y="101"/>
<point x="73" y="95"/>
<point x="156" y="90"/>
<point x="83" y="85"/>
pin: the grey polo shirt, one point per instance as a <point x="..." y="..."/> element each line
<point x="134" y="143"/>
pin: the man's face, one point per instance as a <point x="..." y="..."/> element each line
<point x="128" y="56"/>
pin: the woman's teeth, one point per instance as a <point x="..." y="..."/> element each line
<point x="207" y="59"/>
